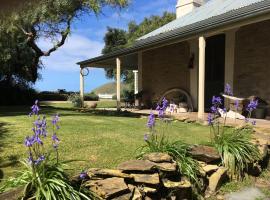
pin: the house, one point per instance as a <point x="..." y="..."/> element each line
<point x="209" y="44"/>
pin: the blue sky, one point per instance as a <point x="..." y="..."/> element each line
<point x="86" y="41"/>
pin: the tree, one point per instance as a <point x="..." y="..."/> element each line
<point x="114" y="39"/>
<point x="117" y="38"/>
<point x="50" y="19"/>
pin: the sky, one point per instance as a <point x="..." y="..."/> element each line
<point x="60" y="70"/>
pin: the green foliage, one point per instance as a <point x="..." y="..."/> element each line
<point x="117" y="38"/>
<point x="91" y="97"/>
<point x="52" y="96"/>
<point x="147" y="25"/>
<point x="128" y="94"/>
<point x="114" y="39"/>
<point x="16" y="94"/>
<point x="237" y="152"/>
<point x="48" y="181"/>
<point x="75" y="100"/>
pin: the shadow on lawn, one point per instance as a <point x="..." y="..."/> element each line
<point x="51" y="110"/>
<point x="11" y="160"/>
<point x="3" y="131"/>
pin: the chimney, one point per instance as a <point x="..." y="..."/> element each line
<point x="184" y="7"/>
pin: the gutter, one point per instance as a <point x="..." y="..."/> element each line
<point x="231" y="17"/>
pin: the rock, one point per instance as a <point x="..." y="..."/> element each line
<point x="92" y="105"/>
<point x="149" y="190"/>
<point x="182" y="119"/>
<point x="210" y="168"/>
<point x="168" y="167"/>
<point x="217" y="178"/>
<point x="137" y="165"/>
<point x="123" y="197"/>
<point x="13" y="194"/>
<point x="190" y="121"/>
<point x="107" y="173"/>
<point x="205" y="153"/>
<point x="263" y="149"/>
<point x="176" y="184"/>
<point x="158" y="157"/>
<point x="136" y="195"/>
<point x="152" y="179"/>
<point x="254" y="169"/>
<point x="220" y="197"/>
<point x="108" y="188"/>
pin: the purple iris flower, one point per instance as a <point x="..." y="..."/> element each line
<point x="83" y="175"/>
<point x="164" y="103"/>
<point x="28" y="141"/>
<point x="216" y="100"/>
<point x="214" y="109"/>
<point x="39" y="160"/>
<point x="252" y="105"/>
<point x="151" y="120"/>
<point x="55" y="138"/>
<point x="228" y="90"/>
<point x="38" y="140"/>
<point x="162" y="108"/>
<point x="34" y="109"/>
<point x="55" y="119"/>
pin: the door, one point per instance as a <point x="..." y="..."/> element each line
<point x="214" y="67"/>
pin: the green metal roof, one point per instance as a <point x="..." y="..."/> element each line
<point x="211" y="9"/>
<point x="216" y="18"/>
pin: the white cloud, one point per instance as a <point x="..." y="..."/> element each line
<point x="75" y="49"/>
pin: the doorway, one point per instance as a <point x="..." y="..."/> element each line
<point x="214" y="67"/>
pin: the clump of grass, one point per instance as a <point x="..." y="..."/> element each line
<point x="237" y="152"/>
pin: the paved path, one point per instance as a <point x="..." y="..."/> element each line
<point x="251" y="193"/>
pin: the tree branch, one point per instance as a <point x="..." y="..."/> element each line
<point x="31" y="36"/>
<point x="64" y="35"/>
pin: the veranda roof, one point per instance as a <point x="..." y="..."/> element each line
<point x="212" y="15"/>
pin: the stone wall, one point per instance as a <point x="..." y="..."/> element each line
<point x="165" y="68"/>
<point x="252" y="61"/>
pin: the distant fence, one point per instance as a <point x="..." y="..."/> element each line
<point x="105" y="96"/>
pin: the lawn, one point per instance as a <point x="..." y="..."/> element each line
<point x="101" y="138"/>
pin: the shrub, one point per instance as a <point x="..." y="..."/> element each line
<point x="52" y="96"/>
<point x="158" y="142"/>
<point x="16" y="94"/>
<point x="236" y="151"/>
<point x="75" y="100"/>
<point x="128" y="95"/>
<point x="114" y="97"/>
<point x="44" y="176"/>
<point x="91" y="97"/>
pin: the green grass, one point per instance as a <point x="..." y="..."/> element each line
<point x="101" y="138"/>
<point x="106" y="104"/>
